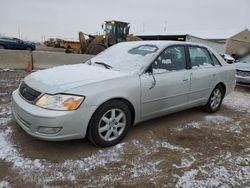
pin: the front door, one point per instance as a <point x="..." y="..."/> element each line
<point x="166" y="89"/>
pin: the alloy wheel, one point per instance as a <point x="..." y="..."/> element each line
<point x="215" y="98"/>
<point x="112" y="124"/>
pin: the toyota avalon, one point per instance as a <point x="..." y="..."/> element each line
<point x="128" y="83"/>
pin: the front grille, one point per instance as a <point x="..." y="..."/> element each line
<point x="243" y="73"/>
<point x="28" y="93"/>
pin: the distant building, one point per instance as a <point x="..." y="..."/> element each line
<point x="239" y="44"/>
<point x="221" y="41"/>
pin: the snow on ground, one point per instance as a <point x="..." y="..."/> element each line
<point x="238" y="101"/>
<point x="217" y="119"/>
<point x="185" y="163"/>
<point x="4" y="184"/>
<point x="191" y="125"/>
<point x="5" y="114"/>
<point x="227" y="172"/>
<point x="228" y="169"/>
<point x="42" y="168"/>
<point x="44" y="172"/>
<point x="218" y="122"/>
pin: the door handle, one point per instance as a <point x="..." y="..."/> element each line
<point x="214" y="74"/>
<point x="185" y="80"/>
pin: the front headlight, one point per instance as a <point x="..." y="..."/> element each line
<point x="60" y="102"/>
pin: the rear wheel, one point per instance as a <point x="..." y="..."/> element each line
<point x="2" y="47"/>
<point x="215" y="100"/>
<point x="109" y="124"/>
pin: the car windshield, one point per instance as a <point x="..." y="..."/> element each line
<point x="128" y="57"/>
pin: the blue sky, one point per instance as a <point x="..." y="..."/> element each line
<point x="64" y="18"/>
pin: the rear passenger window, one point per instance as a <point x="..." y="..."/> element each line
<point x="172" y="59"/>
<point x="200" y="58"/>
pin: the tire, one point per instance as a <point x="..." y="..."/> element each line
<point x="109" y="124"/>
<point x="215" y="100"/>
<point x="2" y="47"/>
<point x="29" y="49"/>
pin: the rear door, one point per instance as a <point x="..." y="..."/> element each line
<point x="167" y="88"/>
<point x="203" y="74"/>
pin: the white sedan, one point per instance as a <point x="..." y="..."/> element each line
<point x="128" y="83"/>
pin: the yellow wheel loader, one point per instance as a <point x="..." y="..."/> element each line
<point x="114" y="32"/>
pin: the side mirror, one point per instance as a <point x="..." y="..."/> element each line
<point x="102" y="26"/>
<point x="150" y="69"/>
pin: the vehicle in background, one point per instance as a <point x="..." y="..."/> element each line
<point x="114" y="32"/>
<point x="228" y="58"/>
<point x="243" y="71"/>
<point x="16" y="44"/>
<point x="53" y="42"/>
<point x="128" y="83"/>
<point x="69" y="44"/>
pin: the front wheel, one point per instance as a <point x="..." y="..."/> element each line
<point x="109" y="124"/>
<point x="215" y="100"/>
<point x="2" y="47"/>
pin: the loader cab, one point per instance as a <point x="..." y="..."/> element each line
<point x="116" y="31"/>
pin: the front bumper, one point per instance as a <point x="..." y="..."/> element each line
<point x="243" y="80"/>
<point x="73" y="124"/>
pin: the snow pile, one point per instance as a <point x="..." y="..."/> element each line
<point x="238" y="101"/>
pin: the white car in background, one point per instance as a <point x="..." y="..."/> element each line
<point x="128" y="83"/>
<point x="228" y="58"/>
<point x="243" y="71"/>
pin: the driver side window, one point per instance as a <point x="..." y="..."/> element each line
<point x="171" y="59"/>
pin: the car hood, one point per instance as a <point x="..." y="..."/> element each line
<point x="243" y="66"/>
<point x="63" y="78"/>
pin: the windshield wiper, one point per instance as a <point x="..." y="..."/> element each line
<point x="104" y="64"/>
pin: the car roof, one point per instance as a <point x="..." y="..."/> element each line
<point x="9" y="38"/>
<point x="165" y="43"/>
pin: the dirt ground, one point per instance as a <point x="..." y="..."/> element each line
<point x="186" y="149"/>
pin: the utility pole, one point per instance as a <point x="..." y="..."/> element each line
<point x="165" y="26"/>
<point x="19" y="35"/>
